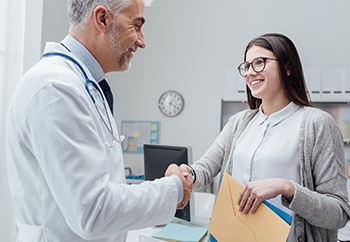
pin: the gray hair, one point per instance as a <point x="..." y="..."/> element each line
<point x="79" y="11"/>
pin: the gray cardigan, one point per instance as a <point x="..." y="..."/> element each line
<point x="320" y="202"/>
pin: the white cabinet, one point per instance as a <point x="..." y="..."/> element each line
<point x="229" y="108"/>
<point x="323" y="84"/>
<point x="328" y="84"/>
<point x="236" y="88"/>
<point x="314" y="78"/>
<point x="340" y="111"/>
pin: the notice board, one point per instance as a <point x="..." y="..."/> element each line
<point x="138" y="133"/>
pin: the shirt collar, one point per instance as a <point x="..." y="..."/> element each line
<point x="79" y="50"/>
<point x="279" y="116"/>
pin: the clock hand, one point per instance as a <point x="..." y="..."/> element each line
<point x="171" y="102"/>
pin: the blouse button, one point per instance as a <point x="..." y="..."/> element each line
<point x="300" y="239"/>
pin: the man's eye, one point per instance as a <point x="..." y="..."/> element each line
<point x="138" y="27"/>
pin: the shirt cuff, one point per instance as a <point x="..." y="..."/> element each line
<point x="180" y="193"/>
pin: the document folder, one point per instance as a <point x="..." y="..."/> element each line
<point x="229" y="224"/>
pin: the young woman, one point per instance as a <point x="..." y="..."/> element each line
<point x="282" y="149"/>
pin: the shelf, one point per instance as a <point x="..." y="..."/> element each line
<point x="317" y="101"/>
<point x="339" y="110"/>
<point x="331" y="101"/>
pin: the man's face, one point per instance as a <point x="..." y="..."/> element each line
<point x="126" y="35"/>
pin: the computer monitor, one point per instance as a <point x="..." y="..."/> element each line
<point x="157" y="158"/>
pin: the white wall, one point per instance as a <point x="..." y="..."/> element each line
<point x="55" y="21"/>
<point x="191" y="44"/>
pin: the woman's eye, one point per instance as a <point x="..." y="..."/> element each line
<point x="259" y="62"/>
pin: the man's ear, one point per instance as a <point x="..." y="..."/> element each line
<point x="101" y="17"/>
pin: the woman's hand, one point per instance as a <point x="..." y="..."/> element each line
<point x="256" y="192"/>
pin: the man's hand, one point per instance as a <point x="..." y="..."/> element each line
<point x="187" y="183"/>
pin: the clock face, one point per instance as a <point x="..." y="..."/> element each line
<point x="171" y="103"/>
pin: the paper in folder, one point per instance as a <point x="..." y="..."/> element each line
<point x="229" y="224"/>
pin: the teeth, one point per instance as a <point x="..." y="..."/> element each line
<point x="254" y="82"/>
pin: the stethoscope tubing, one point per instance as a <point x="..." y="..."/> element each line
<point x="87" y="80"/>
<point x="96" y="87"/>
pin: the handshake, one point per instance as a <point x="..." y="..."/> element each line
<point x="187" y="177"/>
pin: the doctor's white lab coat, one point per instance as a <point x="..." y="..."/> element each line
<point x="66" y="184"/>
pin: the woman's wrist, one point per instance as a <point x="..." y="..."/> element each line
<point x="193" y="173"/>
<point x="288" y="190"/>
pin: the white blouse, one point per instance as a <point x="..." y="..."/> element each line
<point x="268" y="148"/>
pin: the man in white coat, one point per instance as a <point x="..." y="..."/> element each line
<point x="65" y="164"/>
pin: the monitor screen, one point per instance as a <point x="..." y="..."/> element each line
<point x="157" y="158"/>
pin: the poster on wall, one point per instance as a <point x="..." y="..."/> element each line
<point x="138" y="133"/>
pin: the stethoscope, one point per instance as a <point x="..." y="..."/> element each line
<point x="88" y="83"/>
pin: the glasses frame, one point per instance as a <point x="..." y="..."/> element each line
<point x="250" y="64"/>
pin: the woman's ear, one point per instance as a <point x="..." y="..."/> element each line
<point x="288" y="69"/>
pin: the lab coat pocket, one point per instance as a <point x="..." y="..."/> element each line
<point x="29" y="233"/>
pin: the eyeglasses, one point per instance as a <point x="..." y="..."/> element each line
<point x="258" y="65"/>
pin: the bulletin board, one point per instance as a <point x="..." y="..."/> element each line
<point x="138" y="133"/>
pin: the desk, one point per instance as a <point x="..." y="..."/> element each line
<point x="203" y="203"/>
<point x="134" y="235"/>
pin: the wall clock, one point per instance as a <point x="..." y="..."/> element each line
<point x="171" y="103"/>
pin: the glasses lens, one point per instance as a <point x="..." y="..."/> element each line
<point x="243" y="68"/>
<point x="258" y="64"/>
